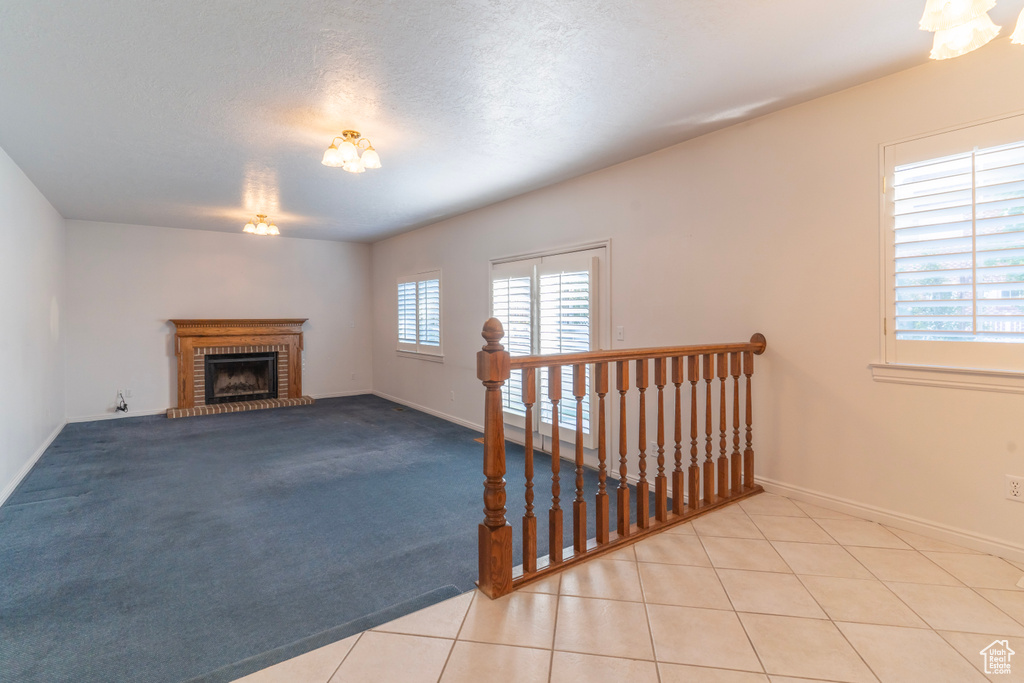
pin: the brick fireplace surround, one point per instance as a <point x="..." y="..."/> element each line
<point x="195" y="339"/>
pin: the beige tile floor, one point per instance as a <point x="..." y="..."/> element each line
<point x="770" y="590"/>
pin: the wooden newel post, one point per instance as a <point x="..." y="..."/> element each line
<point x="492" y="368"/>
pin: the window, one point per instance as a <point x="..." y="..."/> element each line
<point x="419" y="314"/>
<point x="954" y="262"/>
<point x="548" y="305"/>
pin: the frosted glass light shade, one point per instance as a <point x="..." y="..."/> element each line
<point x="1018" y="33"/>
<point x="959" y="41"/>
<point x="332" y="157"/>
<point x="370" y="158"/>
<point x="354" y="166"/>
<point x="943" y="15"/>
<point x="249" y="227"/>
<point x="272" y="230"/>
<point x="347" y="152"/>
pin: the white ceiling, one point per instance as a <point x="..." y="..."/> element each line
<point x="198" y="114"/>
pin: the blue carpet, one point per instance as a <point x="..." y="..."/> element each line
<point x="148" y="549"/>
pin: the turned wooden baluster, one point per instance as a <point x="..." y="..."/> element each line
<point x="736" y="460"/>
<point x="579" y="506"/>
<point x="748" y="452"/>
<point x="643" y="497"/>
<point x="601" y="371"/>
<point x="622" y="382"/>
<point x="723" y="458"/>
<point x="748" y="369"/>
<point x="677" y="473"/>
<point x="660" y="482"/>
<point x="555" y="513"/>
<point x="529" y="519"/>
<point x="709" y="465"/>
<point x="693" y="374"/>
<point x="495" y="535"/>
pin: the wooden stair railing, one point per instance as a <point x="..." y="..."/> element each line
<point x="706" y="485"/>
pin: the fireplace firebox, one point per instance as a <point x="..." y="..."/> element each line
<point x="232" y="377"/>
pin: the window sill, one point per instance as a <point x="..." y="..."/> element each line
<point x="418" y="355"/>
<point x="951" y="378"/>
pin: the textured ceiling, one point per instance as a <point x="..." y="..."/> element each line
<point x="199" y="114"/>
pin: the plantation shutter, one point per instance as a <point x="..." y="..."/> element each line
<point x="566" y="311"/>
<point x="957" y="250"/>
<point x="512" y="304"/>
<point x="406" y="312"/>
<point x="547" y="306"/>
<point x="419" y="314"/>
<point x="429" y="303"/>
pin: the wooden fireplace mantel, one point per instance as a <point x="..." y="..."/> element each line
<point x="194" y="338"/>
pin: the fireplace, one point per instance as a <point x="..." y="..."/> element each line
<point x="230" y="365"/>
<point x="232" y="377"/>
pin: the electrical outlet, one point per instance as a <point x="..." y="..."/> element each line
<point x="128" y="393"/>
<point x="451" y="396"/>
<point x="620" y="333"/>
<point x="1015" y="488"/>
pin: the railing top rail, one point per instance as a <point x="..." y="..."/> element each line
<point x="756" y="345"/>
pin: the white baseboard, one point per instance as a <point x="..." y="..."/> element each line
<point x="116" y="416"/>
<point x="943" y="532"/>
<point x="356" y="392"/>
<point x="430" y="411"/>
<point x="163" y="411"/>
<point x="29" y="464"/>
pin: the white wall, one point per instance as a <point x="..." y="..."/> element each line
<point x="126" y="281"/>
<point x="31" y="339"/>
<point x="772" y="226"/>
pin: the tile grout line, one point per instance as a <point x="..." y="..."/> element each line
<point x="458" y="633"/>
<point x="647" y="616"/>
<point x="986" y="599"/>
<point x="554" y="629"/>
<point x="338" y="668"/>
<point x="928" y="626"/>
<point x="824" y="611"/>
<point x="829" y="616"/>
<point x="728" y="597"/>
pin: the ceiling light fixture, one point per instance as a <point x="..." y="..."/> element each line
<point x="1018" y="33"/>
<point x="260" y="226"/>
<point x="345" y="154"/>
<point x="941" y="15"/>
<point x="960" y="26"/>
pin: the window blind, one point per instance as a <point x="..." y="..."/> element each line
<point x="547" y="305"/>
<point x="512" y="305"/>
<point x="407" y="313"/>
<point x="959" y="247"/>
<point x="419" y="313"/>
<point x="429" y="312"/>
<point x="565" y="313"/>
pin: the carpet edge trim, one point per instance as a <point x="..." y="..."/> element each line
<point x="302" y="646"/>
